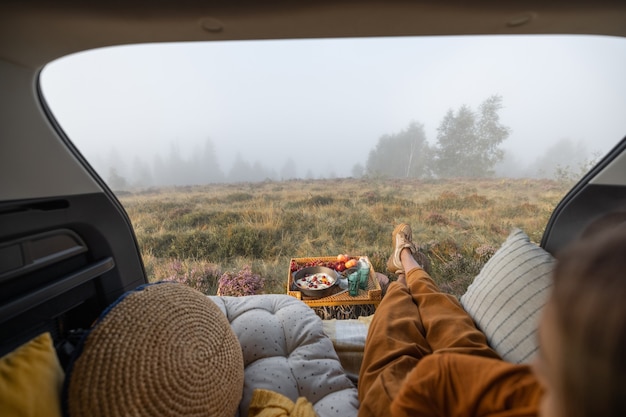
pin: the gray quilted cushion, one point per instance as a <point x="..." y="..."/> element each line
<point x="285" y="350"/>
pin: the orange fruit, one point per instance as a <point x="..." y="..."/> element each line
<point x="351" y="263"/>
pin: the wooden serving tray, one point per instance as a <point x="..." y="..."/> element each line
<point x="371" y="295"/>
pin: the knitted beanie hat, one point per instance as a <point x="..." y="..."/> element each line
<point x="161" y="350"/>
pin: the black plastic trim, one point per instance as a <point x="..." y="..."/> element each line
<point x="26" y="255"/>
<point x="47" y="293"/>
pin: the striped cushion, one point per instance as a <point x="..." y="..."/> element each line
<point x="506" y="297"/>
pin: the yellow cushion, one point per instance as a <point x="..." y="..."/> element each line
<point x="31" y="378"/>
<point x="266" y="403"/>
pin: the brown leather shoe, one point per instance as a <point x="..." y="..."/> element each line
<point x="401" y="238"/>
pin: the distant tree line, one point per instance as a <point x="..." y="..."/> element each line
<point x="202" y="167"/>
<point x="566" y="160"/>
<point x="468" y="145"/>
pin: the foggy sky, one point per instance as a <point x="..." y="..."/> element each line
<point x="325" y="103"/>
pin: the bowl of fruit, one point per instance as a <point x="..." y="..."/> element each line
<point x="316" y="281"/>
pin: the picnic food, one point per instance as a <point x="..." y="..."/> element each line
<point x="336" y="265"/>
<point x="320" y="281"/>
<point x="342" y="257"/>
<point x="350" y="263"/>
<point x="315" y="281"/>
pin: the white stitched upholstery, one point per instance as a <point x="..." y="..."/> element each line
<point x="285" y="350"/>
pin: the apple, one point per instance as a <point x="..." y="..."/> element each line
<point x="342" y="257"/>
<point x="350" y="263"/>
<point x="341" y="266"/>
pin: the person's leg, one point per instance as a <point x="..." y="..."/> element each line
<point x="447" y="326"/>
<point x="412" y="314"/>
<point x="395" y="343"/>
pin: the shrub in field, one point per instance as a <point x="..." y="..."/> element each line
<point x="484" y="252"/>
<point x="158" y="244"/>
<point x="457" y="272"/>
<point x="240" y="283"/>
<point x="200" y="220"/>
<point x="459" y="265"/>
<point x="177" y="212"/>
<point x="521" y="210"/>
<point x="200" y="275"/>
<point x="315" y="200"/>
<point x="437" y="219"/>
<point x="297" y="221"/>
<point x="240" y="240"/>
<point x="476" y="201"/>
<point x="371" y="197"/>
<point x="321" y="200"/>
<point x="196" y="245"/>
<point x="445" y="201"/>
<point x="238" y="197"/>
<point x="194" y="219"/>
<point x="452" y="201"/>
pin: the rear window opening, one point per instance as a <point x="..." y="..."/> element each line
<point x="196" y="113"/>
<point x="229" y="155"/>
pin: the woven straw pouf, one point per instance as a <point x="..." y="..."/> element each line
<point x="161" y="350"/>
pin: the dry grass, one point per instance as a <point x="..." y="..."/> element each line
<point x="217" y="228"/>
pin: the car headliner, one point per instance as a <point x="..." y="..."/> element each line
<point x="34" y="32"/>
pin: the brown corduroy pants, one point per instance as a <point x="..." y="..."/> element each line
<point x="458" y="373"/>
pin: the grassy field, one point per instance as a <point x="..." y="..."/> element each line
<point x="195" y="234"/>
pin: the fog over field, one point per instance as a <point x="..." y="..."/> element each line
<point x="197" y="113"/>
